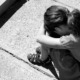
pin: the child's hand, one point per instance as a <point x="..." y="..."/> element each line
<point x="65" y="39"/>
<point x="68" y="40"/>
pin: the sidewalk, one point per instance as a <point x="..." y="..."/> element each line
<point x="17" y="40"/>
<point x="13" y="69"/>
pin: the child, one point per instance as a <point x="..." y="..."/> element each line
<point x="68" y="66"/>
<point x="67" y="61"/>
<point x="54" y="17"/>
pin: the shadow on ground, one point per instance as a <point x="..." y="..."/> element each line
<point x="50" y="67"/>
<point x="5" y="16"/>
<point x="52" y="70"/>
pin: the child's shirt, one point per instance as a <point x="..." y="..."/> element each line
<point x="73" y="44"/>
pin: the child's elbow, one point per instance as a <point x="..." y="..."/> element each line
<point x="37" y="39"/>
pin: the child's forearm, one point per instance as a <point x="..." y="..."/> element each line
<point x="44" y="39"/>
<point x="50" y="42"/>
<point x="47" y="40"/>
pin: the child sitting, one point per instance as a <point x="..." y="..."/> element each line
<point x="55" y="25"/>
<point x="64" y="50"/>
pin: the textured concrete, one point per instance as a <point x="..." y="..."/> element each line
<point x="18" y="36"/>
<point x="13" y="69"/>
<point x="70" y="3"/>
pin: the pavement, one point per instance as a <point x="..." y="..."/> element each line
<point x="18" y="39"/>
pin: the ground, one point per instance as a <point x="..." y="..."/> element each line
<point x="18" y="39"/>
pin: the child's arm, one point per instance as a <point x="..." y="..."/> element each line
<point x="49" y="41"/>
<point x="42" y="31"/>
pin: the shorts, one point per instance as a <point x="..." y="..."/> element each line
<point x="66" y="64"/>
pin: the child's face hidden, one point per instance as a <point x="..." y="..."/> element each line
<point x="63" y="30"/>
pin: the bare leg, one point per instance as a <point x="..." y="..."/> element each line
<point x="44" y="52"/>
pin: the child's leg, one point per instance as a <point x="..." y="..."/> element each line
<point x="41" y="57"/>
<point x="67" y="65"/>
<point x="44" y="53"/>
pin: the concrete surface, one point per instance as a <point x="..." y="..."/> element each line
<point x="2" y="1"/>
<point x="18" y="39"/>
<point x="70" y="3"/>
<point x="13" y="69"/>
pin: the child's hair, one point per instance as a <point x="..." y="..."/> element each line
<point x="54" y="17"/>
<point x="74" y="22"/>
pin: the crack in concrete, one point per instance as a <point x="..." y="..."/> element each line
<point x="31" y="65"/>
<point x="64" y="4"/>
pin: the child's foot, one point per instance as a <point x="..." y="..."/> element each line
<point x="35" y="59"/>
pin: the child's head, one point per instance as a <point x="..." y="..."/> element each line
<point x="55" y="16"/>
<point x="74" y="22"/>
